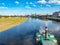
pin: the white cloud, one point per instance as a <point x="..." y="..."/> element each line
<point x="54" y="1"/>
<point x="49" y="1"/>
<point x="41" y="8"/>
<point x="40" y="5"/>
<point x="17" y="2"/>
<point x="31" y="3"/>
<point x="42" y="1"/>
<point x="57" y="2"/>
<point x="27" y="7"/>
<point x="3" y="7"/>
<point x="47" y="5"/>
<point x="34" y="5"/>
<point x="3" y="3"/>
<point x="27" y="3"/>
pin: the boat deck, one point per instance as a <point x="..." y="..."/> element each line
<point x="47" y="43"/>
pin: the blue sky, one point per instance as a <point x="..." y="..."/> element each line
<point x="22" y="7"/>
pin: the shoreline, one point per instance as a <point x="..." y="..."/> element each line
<point x="7" y="23"/>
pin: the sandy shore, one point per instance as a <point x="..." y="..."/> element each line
<point x="6" y="23"/>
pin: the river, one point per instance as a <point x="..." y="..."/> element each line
<point x="25" y="33"/>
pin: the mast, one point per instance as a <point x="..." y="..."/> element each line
<point x="46" y="30"/>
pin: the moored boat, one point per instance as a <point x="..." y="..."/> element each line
<point x="45" y="38"/>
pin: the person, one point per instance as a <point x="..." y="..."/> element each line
<point x="46" y="32"/>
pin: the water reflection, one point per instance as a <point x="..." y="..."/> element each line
<point x="24" y="34"/>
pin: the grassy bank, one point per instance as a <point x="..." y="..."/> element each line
<point x="6" y="23"/>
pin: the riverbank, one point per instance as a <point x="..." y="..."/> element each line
<point x="54" y="18"/>
<point x="47" y="17"/>
<point x="6" y="23"/>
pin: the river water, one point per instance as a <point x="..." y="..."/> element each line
<point x="25" y="33"/>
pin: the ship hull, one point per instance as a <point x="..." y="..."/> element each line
<point x="41" y="40"/>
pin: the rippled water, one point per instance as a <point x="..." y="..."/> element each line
<point x="24" y="34"/>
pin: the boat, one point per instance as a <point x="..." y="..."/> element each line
<point x="45" y="38"/>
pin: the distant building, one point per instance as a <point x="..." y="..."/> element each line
<point x="56" y="13"/>
<point x="59" y="13"/>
